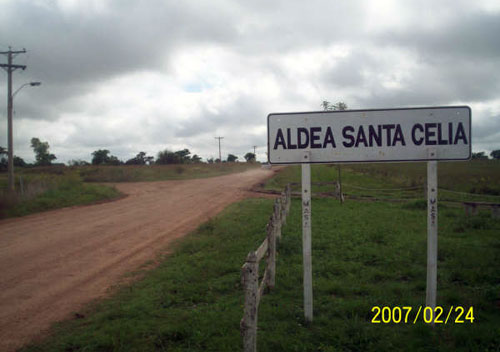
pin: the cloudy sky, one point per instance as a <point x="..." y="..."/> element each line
<point x="133" y="76"/>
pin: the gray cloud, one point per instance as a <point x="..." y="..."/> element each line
<point x="423" y="53"/>
<point x="244" y="112"/>
<point x="471" y="37"/>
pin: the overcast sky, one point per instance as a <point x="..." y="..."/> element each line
<point x="131" y="76"/>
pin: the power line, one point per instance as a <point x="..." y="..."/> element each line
<point x="220" y="157"/>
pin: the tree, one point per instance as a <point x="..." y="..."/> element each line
<point x="327" y="106"/>
<point x="232" y="158"/>
<point x="178" y="157"/>
<point x="479" y="156"/>
<point x="196" y="159"/>
<point x="140" y="159"/>
<point x="495" y="154"/>
<point x="3" y="159"/>
<point x="183" y="155"/>
<point x="75" y="162"/>
<point x="210" y="160"/>
<point x="249" y="157"/>
<point x="167" y="157"/>
<point x="113" y="160"/>
<point x="18" y="161"/>
<point x="42" y="155"/>
<point x="100" y="157"/>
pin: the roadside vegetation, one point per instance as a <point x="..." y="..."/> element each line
<point x="365" y="254"/>
<point x="476" y="180"/>
<point x="45" y="185"/>
<point x="127" y="173"/>
<point x="41" y="190"/>
<point x="51" y="187"/>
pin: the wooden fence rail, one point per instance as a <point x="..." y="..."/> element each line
<point x="250" y="270"/>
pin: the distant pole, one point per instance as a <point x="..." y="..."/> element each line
<point x="9" y="67"/>
<point x="220" y="156"/>
<point x="254" y="150"/>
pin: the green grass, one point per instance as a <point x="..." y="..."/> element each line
<point x="46" y="192"/>
<point x="374" y="254"/>
<point x="476" y="180"/>
<point x="365" y="254"/>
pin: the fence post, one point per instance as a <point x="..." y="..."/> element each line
<point x="277" y="217"/>
<point x="288" y="197"/>
<point x="248" y="325"/>
<point x="283" y="208"/>
<point x="271" y="255"/>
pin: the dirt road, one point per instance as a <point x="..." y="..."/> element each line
<point x="53" y="263"/>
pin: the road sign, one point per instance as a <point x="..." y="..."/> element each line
<point x="418" y="134"/>
<point x="378" y="135"/>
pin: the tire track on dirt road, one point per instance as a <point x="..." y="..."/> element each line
<point x="53" y="263"/>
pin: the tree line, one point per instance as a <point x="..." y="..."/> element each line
<point x="43" y="157"/>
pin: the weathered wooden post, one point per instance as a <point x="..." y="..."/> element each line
<point x="288" y="198"/>
<point x="271" y="255"/>
<point x="283" y="208"/>
<point x="248" y="325"/>
<point x="277" y="217"/>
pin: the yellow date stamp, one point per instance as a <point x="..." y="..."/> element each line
<point x="410" y="315"/>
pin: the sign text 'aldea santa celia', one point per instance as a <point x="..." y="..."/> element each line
<point x="370" y="135"/>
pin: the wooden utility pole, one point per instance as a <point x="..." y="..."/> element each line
<point x="254" y="151"/>
<point x="220" y="157"/>
<point x="10" y="67"/>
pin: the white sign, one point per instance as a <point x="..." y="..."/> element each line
<point x="370" y="135"/>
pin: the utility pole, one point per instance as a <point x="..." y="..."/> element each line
<point x="220" y="157"/>
<point x="10" y="67"/>
<point x="254" y="151"/>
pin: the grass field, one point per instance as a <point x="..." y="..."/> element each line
<point x="46" y="188"/>
<point x="41" y="192"/>
<point x="477" y="180"/>
<point x="159" y="172"/>
<point x="365" y="254"/>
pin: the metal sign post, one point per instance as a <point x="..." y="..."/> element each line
<point x="432" y="232"/>
<point x="306" y="239"/>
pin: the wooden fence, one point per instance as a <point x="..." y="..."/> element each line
<point x="250" y="270"/>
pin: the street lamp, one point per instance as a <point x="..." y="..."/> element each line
<point x="10" y="106"/>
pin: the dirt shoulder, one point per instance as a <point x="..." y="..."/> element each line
<point x="56" y="262"/>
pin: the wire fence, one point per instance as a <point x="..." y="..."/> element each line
<point x="414" y="192"/>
